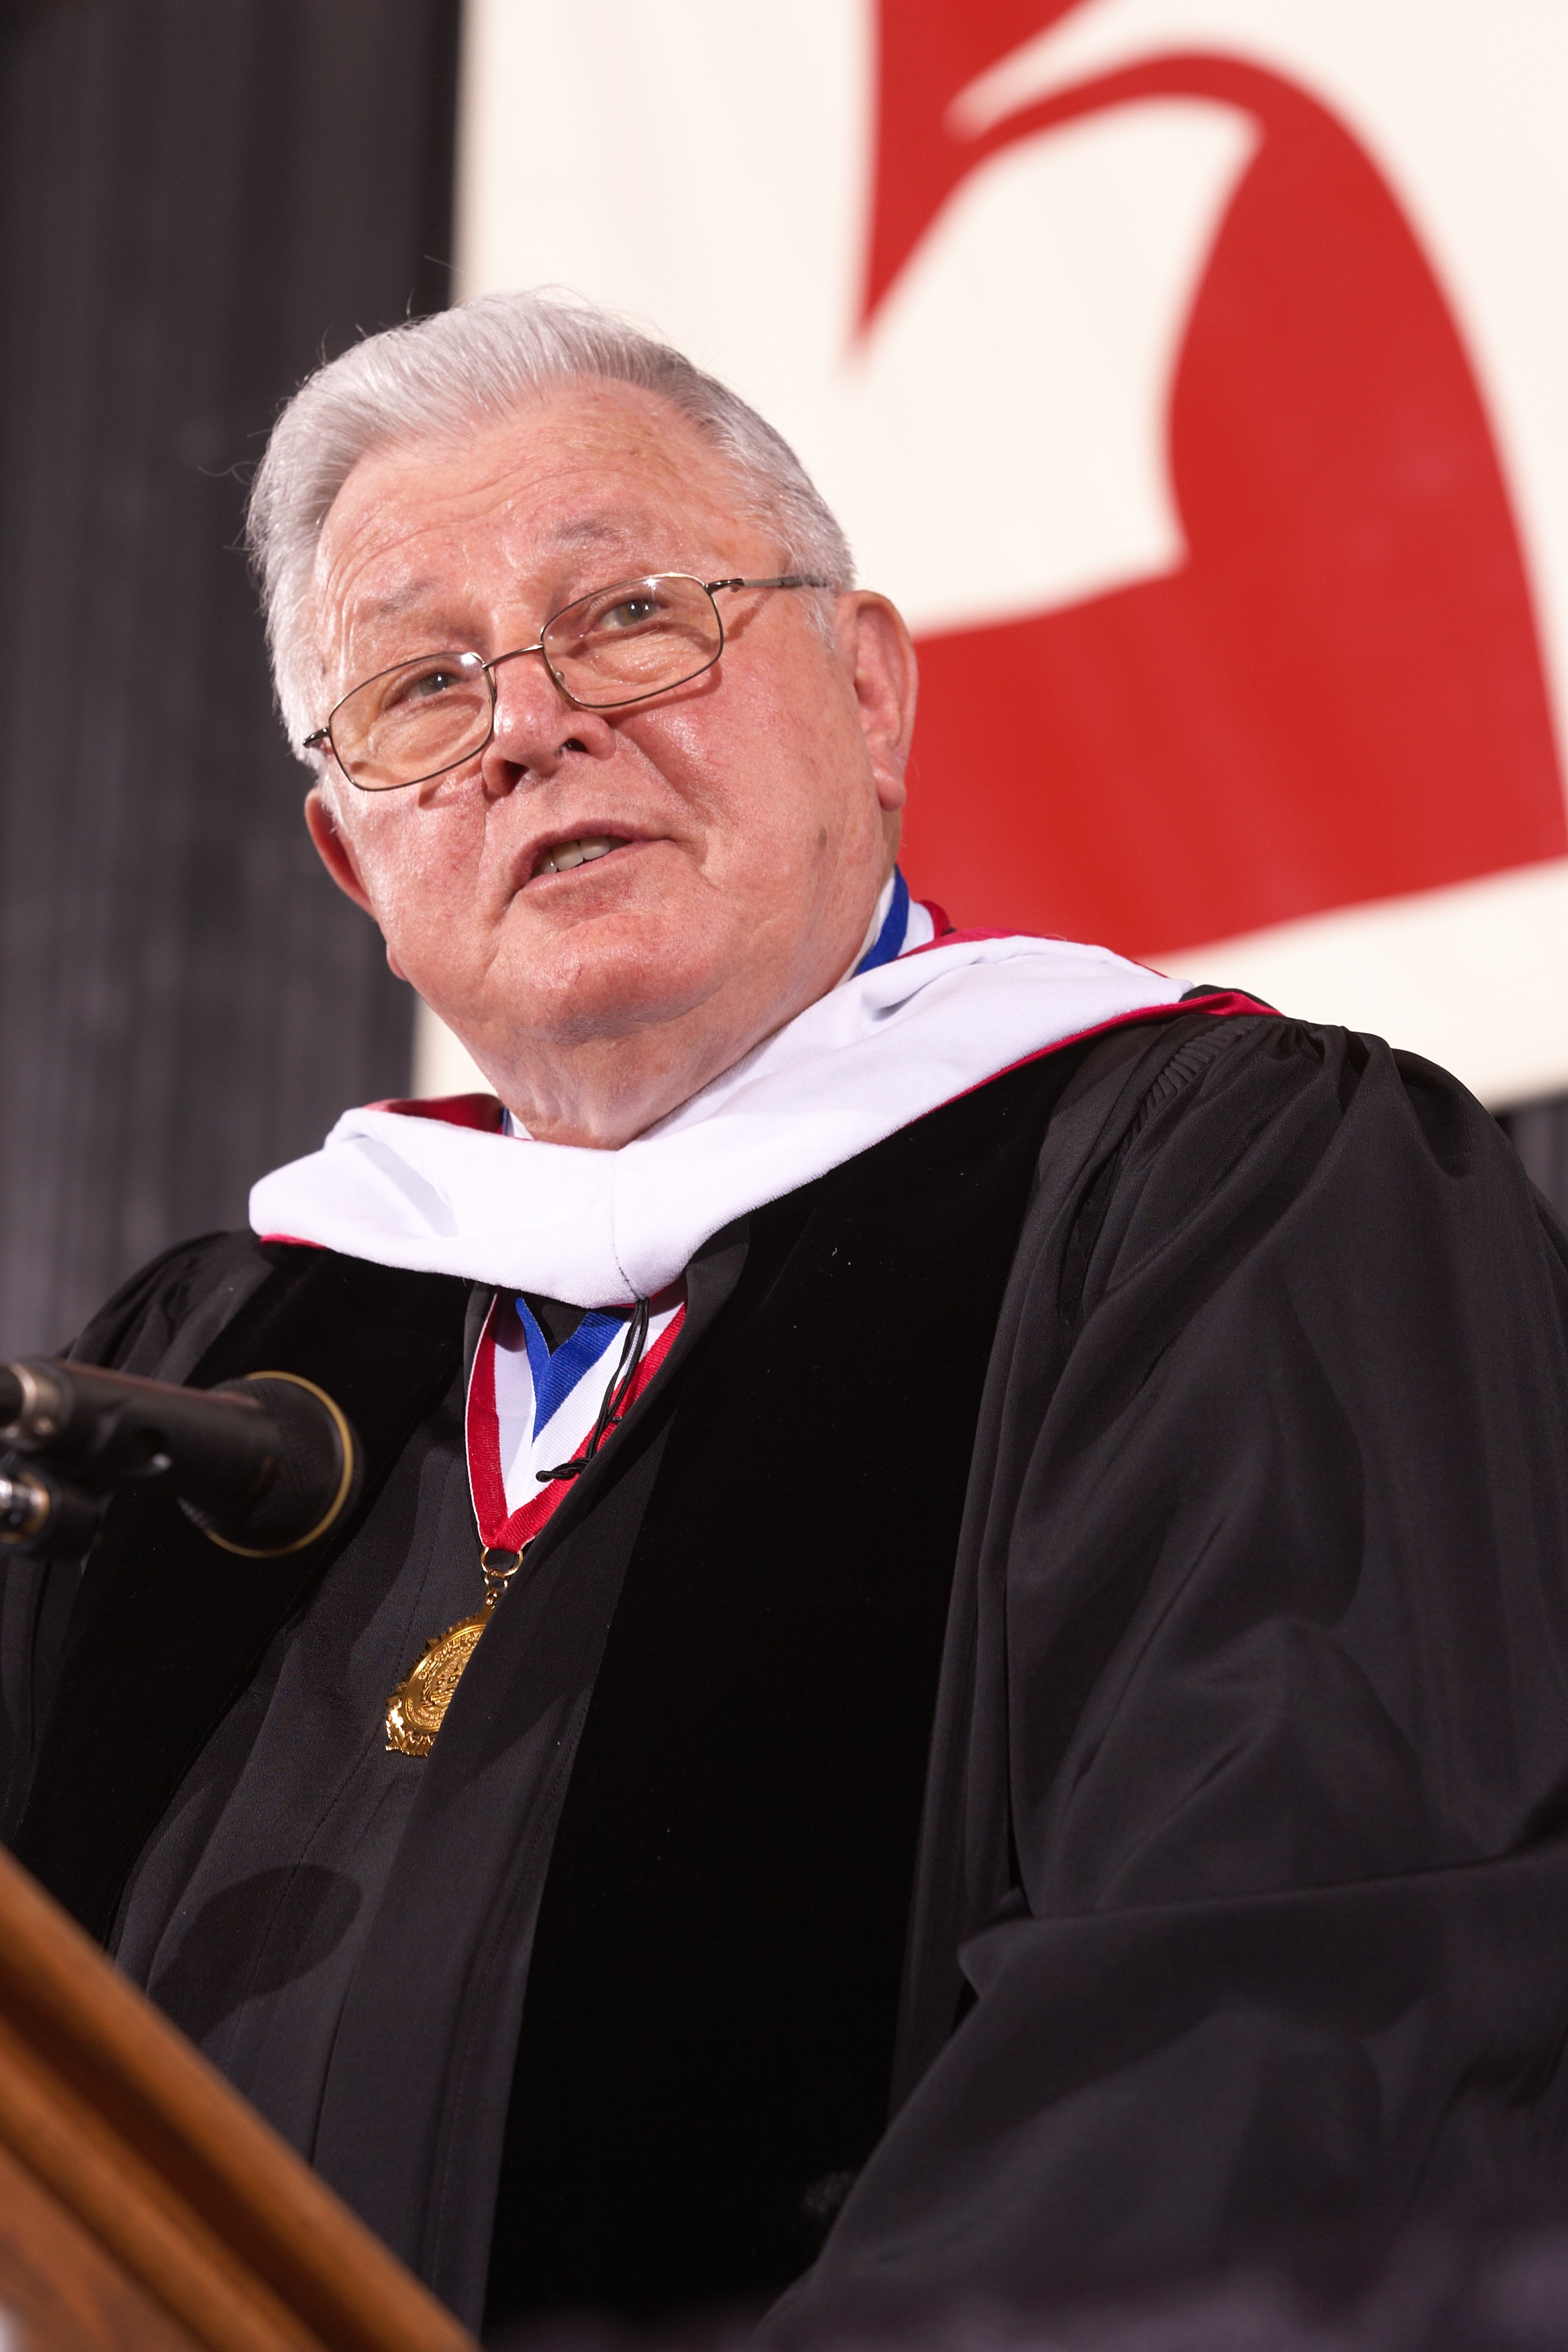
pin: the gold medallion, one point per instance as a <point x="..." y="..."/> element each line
<point x="417" y="1707"/>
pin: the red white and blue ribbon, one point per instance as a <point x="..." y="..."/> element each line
<point x="899" y="924"/>
<point x="531" y="1408"/>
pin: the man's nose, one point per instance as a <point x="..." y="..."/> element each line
<point x="536" y="728"/>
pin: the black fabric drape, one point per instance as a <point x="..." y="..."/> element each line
<point x="199" y="197"/>
<point x="386" y="1349"/>
<point x="1267" y="1672"/>
<point x="707" y="2046"/>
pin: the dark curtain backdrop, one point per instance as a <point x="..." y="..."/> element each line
<point x="199" y="199"/>
<point x="1540" y="1134"/>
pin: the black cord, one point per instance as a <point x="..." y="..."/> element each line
<point x="616" y="1397"/>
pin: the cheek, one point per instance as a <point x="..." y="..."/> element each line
<point x="763" y="773"/>
<point x="418" y="873"/>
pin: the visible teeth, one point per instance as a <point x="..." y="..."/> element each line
<point x="567" y="853"/>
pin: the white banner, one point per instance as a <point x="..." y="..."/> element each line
<point x="1193" y="374"/>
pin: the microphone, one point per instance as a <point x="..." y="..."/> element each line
<point x="264" y="1466"/>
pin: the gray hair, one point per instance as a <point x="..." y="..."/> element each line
<point x="479" y="361"/>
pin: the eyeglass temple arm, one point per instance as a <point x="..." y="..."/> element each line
<point x="778" y="580"/>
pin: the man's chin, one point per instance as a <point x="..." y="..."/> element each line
<point x="573" y="1011"/>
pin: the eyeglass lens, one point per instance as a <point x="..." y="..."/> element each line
<point x="620" y="645"/>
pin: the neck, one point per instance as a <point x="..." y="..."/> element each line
<point x="603" y="1094"/>
<point x="601" y="1089"/>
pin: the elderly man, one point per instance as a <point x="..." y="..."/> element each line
<point x="951" y="1672"/>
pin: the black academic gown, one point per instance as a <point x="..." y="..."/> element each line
<point x="1039" y="1750"/>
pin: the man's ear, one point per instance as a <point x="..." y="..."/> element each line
<point x="334" y="849"/>
<point x="886" y="680"/>
<point x="336" y="854"/>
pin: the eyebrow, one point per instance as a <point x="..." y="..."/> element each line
<point x="585" y="531"/>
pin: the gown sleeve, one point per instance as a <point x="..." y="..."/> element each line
<point x="1280" y="1588"/>
<point x="158" y="1324"/>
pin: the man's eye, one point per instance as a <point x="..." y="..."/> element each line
<point x="629" y="614"/>
<point x="426" y="683"/>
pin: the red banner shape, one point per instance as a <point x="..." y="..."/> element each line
<point x="1340" y="695"/>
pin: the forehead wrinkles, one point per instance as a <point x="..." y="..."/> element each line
<point x="427" y="516"/>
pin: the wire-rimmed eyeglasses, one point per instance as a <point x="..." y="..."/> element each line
<point x="620" y="645"/>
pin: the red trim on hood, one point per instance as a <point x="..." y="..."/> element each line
<point x="1221" y="1004"/>
<point x="482" y="1112"/>
<point x="951" y="939"/>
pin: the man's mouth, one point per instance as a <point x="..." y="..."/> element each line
<point x="561" y="856"/>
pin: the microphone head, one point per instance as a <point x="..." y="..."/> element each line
<point x="316" y="1474"/>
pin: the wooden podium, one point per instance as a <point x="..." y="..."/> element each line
<point x="144" y="2207"/>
